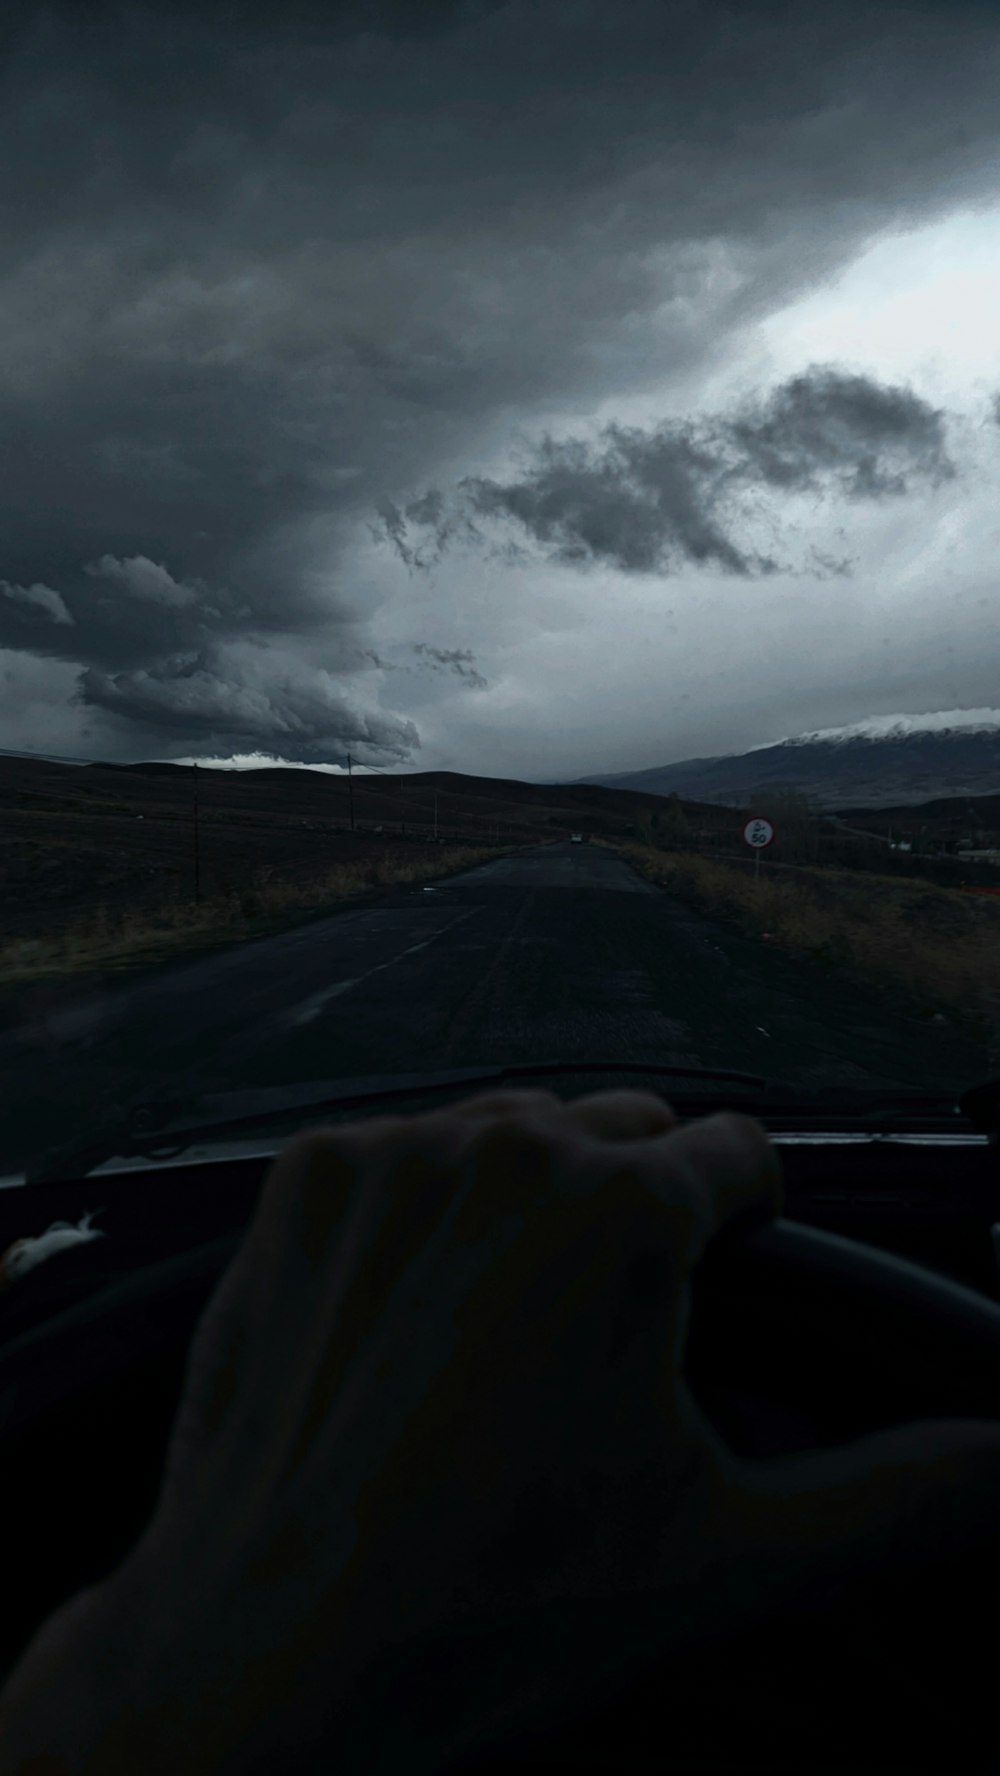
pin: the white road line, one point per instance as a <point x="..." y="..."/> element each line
<point x="308" y="1009"/>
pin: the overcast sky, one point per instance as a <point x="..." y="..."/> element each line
<point x="532" y="389"/>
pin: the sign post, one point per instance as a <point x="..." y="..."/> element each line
<point x="759" y="833"/>
<point x="197" y="846"/>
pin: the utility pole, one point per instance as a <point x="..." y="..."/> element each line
<point x="435" y="816"/>
<point x="350" y="789"/>
<point x="197" y="846"/>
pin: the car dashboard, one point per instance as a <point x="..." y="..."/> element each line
<point x="932" y="1198"/>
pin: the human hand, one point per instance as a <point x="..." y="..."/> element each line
<point x="440" y="1382"/>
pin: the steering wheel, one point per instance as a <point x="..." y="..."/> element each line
<point x="797" y="1339"/>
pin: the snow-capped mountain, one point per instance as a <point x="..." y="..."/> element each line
<point x="888" y="761"/>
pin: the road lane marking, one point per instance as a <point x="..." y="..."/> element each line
<point x="309" y="1009"/>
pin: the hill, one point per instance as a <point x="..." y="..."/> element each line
<point x="79" y="837"/>
<point x="116" y="840"/>
<point x="841" y="769"/>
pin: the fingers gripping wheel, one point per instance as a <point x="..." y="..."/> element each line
<point x="797" y="1339"/>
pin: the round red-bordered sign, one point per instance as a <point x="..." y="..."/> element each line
<point x="758" y="832"/>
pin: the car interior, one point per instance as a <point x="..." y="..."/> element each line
<point x="874" y="1300"/>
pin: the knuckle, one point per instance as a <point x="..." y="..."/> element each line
<point x="513" y="1138"/>
<point x="747" y="1135"/>
<point x="678" y="1190"/>
<point x="514" y="1160"/>
<point x="316" y="1167"/>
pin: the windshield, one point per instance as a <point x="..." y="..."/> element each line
<point x="498" y="548"/>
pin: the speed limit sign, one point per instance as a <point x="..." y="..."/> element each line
<point x="758" y="832"/>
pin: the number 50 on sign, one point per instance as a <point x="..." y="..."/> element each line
<point x="758" y="833"/>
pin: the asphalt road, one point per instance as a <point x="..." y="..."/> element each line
<point x="560" y="954"/>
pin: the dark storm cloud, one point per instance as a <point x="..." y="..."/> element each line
<point x="651" y="501"/>
<point x="144" y="580"/>
<point x="641" y="502"/>
<point x="458" y="660"/>
<point x="264" y="270"/>
<point x="121" y="611"/>
<point x="243" y="694"/>
<point x="448" y="524"/>
<point x="866" y="437"/>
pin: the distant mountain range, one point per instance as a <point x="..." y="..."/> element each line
<point x="891" y="761"/>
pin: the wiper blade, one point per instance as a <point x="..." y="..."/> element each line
<point x="174" y="1124"/>
<point x="166" y="1128"/>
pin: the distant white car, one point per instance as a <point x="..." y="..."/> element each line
<point x="576" y="839"/>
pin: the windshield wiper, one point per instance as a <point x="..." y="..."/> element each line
<point x="167" y="1128"/>
<point x="150" y="1129"/>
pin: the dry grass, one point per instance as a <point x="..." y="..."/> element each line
<point x="107" y="940"/>
<point x="941" y="947"/>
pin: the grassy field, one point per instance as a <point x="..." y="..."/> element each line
<point x="105" y="868"/>
<point x="936" y="947"/>
<point x="110" y="939"/>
